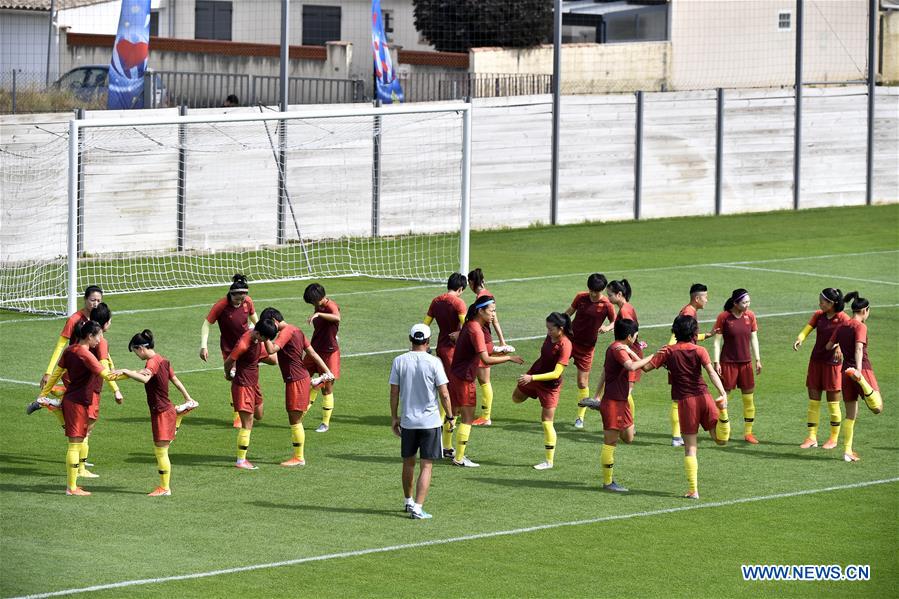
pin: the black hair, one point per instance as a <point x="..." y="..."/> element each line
<point x="597" y="282"/>
<point x="239" y="285"/>
<point x="476" y="278"/>
<point x="834" y="296"/>
<point x="685" y="328"/>
<point x="561" y="320"/>
<point x="271" y="313"/>
<point x="858" y="303"/>
<point x="92" y="289"/>
<point x="85" y="329"/>
<point x="313" y="293"/>
<point x="142" y="339"/>
<point x="101" y="314"/>
<point x="624" y="328"/>
<point x="622" y="287"/>
<point x="233" y="99"/>
<point x="473" y="308"/>
<point x="697" y="288"/>
<point x="734" y="296"/>
<point x="267" y="328"/>
<point x="456" y="281"/>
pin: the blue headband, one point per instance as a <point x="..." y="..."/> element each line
<point x="484" y="304"/>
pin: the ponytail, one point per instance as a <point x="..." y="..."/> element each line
<point x="143" y="339"/>
<point x="476" y="278"/>
<point x="622" y="287"/>
<point x="835" y="297"/>
<point x="85" y="329"/>
<point x="736" y="296"/>
<point x="858" y="303"/>
<point x="239" y="285"/>
<point x="561" y="320"/>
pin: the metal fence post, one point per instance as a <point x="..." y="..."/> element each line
<point x="376" y="173"/>
<point x="872" y="34"/>
<point x="13" y="91"/>
<point x="182" y="177"/>
<point x="638" y="155"/>
<point x="149" y="91"/>
<point x="719" y="146"/>
<point x="797" y="110"/>
<point x="282" y="125"/>
<point x="79" y="182"/>
<point x="557" y="90"/>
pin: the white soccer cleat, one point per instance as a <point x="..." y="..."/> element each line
<point x="578" y="423"/>
<point x="233" y="372"/>
<point x="589" y="402"/>
<point x="322" y="428"/>
<point x="504" y="349"/>
<point x="466" y="463"/>
<point x="319" y="379"/>
<point x="543" y="466"/>
<point x="187" y="406"/>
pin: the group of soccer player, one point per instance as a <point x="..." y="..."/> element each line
<point x="838" y="367"/>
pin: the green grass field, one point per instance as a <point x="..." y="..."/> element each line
<point x="766" y="504"/>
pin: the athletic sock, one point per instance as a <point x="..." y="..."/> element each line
<point x="235" y="415"/>
<point x="549" y="440"/>
<point x="72" y="457"/>
<point x="872" y="396"/>
<point x="462" y="433"/>
<point x="836" y="417"/>
<point x="327" y="408"/>
<point x="486" y="400"/>
<point x="82" y="455"/>
<point x="848" y="433"/>
<point x="164" y="466"/>
<point x="447" y="434"/>
<point x="582" y="394"/>
<point x="722" y="429"/>
<point x="313" y="395"/>
<point x="691" y="467"/>
<point x="630" y="403"/>
<point x="748" y="412"/>
<point x="814" y="410"/>
<point x="243" y="443"/>
<point x="178" y="420"/>
<point x="298" y="436"/>
<point x="607" y="458"/>
<point x="675" y="420"/>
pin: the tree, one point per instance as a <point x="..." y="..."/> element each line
<point x="459" y="25"/>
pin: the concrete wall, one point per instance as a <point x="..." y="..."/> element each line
<point x="890" y="36"/>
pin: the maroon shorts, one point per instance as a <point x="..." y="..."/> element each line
<point x="462" y="392"/>
<point x="548" y="396"/>
<point x="823" y="376"/>
<point x="737" y="374"/>
<point x="296" y="395"/>
<point x="246" y="399"/>
<point x="76" y="418"/>
<point x="582" y="356"/>
<point x="852" y="391"/>
<point x="331" y="360"/>
<point x="695" y="411"/>
<point x="445" y="354"/>
<point x="163" y="424"/>
<point x="616" y="415"/>
<point x="93" y="411"/>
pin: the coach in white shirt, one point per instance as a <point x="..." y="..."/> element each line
<point x="416" y="378"/>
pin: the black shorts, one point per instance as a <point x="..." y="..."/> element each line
<point x="425" y="441"/>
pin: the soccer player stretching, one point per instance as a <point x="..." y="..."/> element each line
<point x="590" y="310"/>
<point x="685" y="362"/>
<point x="291" y="345"/>
<point x="156" y="375"/>
<point x="619" y="293"/>
<point x="611" y="397"/>
<point x="448" y="310"/>
<point x="543" y="379"/>
<point x="858" y="375"/>
<point x="325" y="321"/>
<point x="823" y="366"/>
<point x="478" y="285"/>
<point x="233" y="313"/>
<point x="737" y="336"/>
<point x="471" y="350"/>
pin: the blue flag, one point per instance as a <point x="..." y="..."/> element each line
<point x="387" y="86"/>
<point x="129" y="56"/>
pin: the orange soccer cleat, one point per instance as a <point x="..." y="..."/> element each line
<point x="851" y="457"/>
<point x="293" y="462"/>
<point x="751" y="439"/>
<point x="808" y="443"/>
<point x="78" y="492"/>
<point x="829" y="444"/>
<point x="481" y="421"/>
<point x="159" y="492"/>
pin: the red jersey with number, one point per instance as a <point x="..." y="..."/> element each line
<point x="847" y="335"/>
<point x="293" y="344"/>
<point x="552" y="353"/>
<point x="446" y="309"/>
<point x="736" y="331"/>
<point x="324" y="333"/>
<point x="83" y="373"/>
<point x="617" y="387"/>
<point x="824" y="328"/>
<point x="232" y="321"/>
<point x="685" y="362"/>
<point x="469" y="345"/>
<point x="68" y="330"/>
<point x="157" y="387"/>
<point x="246" y="355"/>
<point x="589" y="317"/>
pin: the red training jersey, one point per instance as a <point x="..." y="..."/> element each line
<point x="293" y="344"/>
<point x="157" y="387"/>
<point x="737" y="335"/>
<point x="324" y="333"/>
<point x="847" y="335"/>
<point x="685" y="362"/>
<point x="617" y="387"/>
<point x="688" y="310"/>
<point x="83" y="370"/>
<point x="552" y="353"/>
<point x="246" y="355"/>
<point x="68" y="330"/>
<point x="232" y="321"/>
<point x="446" y="309"/>
<point x="589" y="317"/>
<point x="824" y="328"/>
<point x="627" y="311"/>
<point x="469" y="345"/>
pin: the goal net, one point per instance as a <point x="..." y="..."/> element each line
<point x="189" y="201"/>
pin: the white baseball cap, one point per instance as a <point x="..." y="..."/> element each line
<point x="420" y="332"/>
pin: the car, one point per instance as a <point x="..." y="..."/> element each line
<point x="89" y="82"/>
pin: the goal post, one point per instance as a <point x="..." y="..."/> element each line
<point x="187" y="201"/>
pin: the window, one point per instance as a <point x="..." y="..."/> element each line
<point x="785" y="20"/>
<point x="212" y="20"/>
<point x="154" y="23"/>
<point x="320" y="24"/>
<point x="387" y="19"/>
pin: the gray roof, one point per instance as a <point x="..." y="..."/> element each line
<point x="45" y="4"/>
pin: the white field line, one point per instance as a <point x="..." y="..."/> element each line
<point x="527" y="338"/>
<point x="503" y="281"/>
<point x="805" y="274"/>
<point x="459" y="539"/>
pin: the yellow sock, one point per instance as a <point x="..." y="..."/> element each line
<point x="82" y="455"/>
<point x="243" y="443"/>
<point x="691" y="467"/>
<point x="848" y="433"/>
<point x="235" y="415"/>
<point x="872" y="396"/>
<point x="62" y="418"/>
<point x="582" y="394"/>
<point x="814" y="410"/>
<point x="178" y="420"/>
<point x="163" y="465"/>
<point x="675" y="420"/>
<point x="836" y="417"/>
<point x="327" y="408"/>
<point x="298" y="435"/>
<point x="72" y="456"/>
<point x="313" y="395"/>
<point x="462" y="433"/>
<point x="864" y="384"/>
<point x="722" y="429"/>
<point x="486" y="400"/>
<point x="549" y="440"/>
<point x="630" y="402"/>
<point x="447" y="433"/>
<point x="607" y="458"/>
<point x="748" y="412"/>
